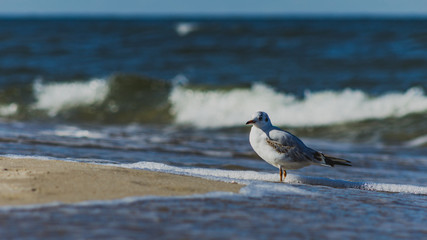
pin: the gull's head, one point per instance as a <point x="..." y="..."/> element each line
<point x="260" y="120"/>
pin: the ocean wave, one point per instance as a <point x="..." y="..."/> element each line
<point x="8" y="110"/>
<point x="417" y="142"/>
<point x="114" y="99"/>
<point x="54" y="97"/>
<point x="127" y="99"/>
<point x="253" y="179"/>
<point x="219" y="108"/>
<point x="185" y="28"/>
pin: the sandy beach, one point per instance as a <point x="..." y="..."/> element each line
<point x="31" y="181"/>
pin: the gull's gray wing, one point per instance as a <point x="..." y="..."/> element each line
<point x="290" y="145"/>
<point x="285" y="138"/>
<point x="287" y="143"/>
<point x="280" y="147"/>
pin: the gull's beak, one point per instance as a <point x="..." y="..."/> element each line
<point x="250" y="122"/>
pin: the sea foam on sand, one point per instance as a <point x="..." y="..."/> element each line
<point x="254" y="179"/>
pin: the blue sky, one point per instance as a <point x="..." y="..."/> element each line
<point x="222" y="7"/>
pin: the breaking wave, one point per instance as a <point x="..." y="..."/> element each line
<point x="8" y="110"/>
<point x="56" y="97"/>
<point x="116" y="99"/>
<point x="123" y="99"/>
<point x="218" y="108"/>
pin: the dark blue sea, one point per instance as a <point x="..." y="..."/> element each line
<point x="173" y="95"/>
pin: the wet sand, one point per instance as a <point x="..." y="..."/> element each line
<point x="31" y="181"/>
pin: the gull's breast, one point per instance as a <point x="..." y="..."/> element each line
<point x="259" y="142"/>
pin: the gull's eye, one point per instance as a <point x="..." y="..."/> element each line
<point x="266" y="119"/>
<point x="260" y="118"/>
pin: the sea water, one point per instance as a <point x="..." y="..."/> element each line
<point x="172" y="95"/>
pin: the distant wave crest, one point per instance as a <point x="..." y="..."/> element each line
<point x="185" y="28"/>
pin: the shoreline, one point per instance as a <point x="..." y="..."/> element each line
<point x="26" y="181"/>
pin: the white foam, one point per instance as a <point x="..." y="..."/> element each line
<point x="243" y="177"/>
<point x="72" y="131"/>
<point x="185" y="28"/>
<point x="256" y="181"/>
<point x="394" y="188"/>
<point x="258" y="184"/>
<point x="379" y="187"/>
<point x="17" y="156"/>
<point x="419" y="141"/>
<point x="54" y="97"/>
<point x="218" y="108"/>
<point x="8" y="110"/>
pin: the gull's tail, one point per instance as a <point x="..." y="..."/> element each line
<point x="331" y="161"/>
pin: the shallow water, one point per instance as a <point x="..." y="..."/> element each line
<point x="294" y="211"/>
<point x="173" y="95"/>
<point x="383" y="195"/>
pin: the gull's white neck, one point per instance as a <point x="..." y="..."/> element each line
<point x="265" y="128"/>
<point x="261" y="131"/>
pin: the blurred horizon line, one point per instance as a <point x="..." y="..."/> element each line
<point x="217" y="15"/>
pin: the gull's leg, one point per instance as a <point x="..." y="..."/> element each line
<point x="284" y="174"/>
<point x="281" y="173"/>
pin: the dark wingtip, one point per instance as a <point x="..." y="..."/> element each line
<point x="347" y="163"/>
<point x="336" y="161"/>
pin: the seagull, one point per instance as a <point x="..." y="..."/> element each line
<point x="284" y="150"/>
